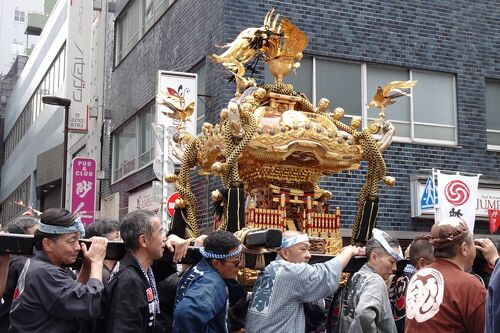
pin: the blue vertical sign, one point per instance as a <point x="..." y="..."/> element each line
<point x="429" y="195"/>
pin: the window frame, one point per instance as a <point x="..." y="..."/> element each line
<point x="150" y="107"/>
<point x="158" y="9"/>
<point x="17" y="13"/>
<point x="366" y="97"/>
<point x="33" y="107"/>
<point x="491" y="147"/>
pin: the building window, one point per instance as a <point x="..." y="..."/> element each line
<point x="125" y="150"/>
<point x="50" y="83"/>
<point x="137" y="14"/>
<point x="127" y="29"/>
<point x="9" y="208"/>
<point x="146" y="137"/>
<point x="19" y="16"/>
<point x="16" y="48"/>
<point x="152" y="10"/>
<point x="202" y="100"/>
<point x="493" y="113"/>
<point x="424" y="117"/>
<point x="133" y="144"/>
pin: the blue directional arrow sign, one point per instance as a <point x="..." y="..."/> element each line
<point x="429" y="195"/>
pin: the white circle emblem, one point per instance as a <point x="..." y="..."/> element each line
<point x="424" y="295"/>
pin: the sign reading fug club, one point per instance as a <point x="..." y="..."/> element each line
<point x="83" y="182"/>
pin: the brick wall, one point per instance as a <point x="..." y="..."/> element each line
<point x="458" y="37"/>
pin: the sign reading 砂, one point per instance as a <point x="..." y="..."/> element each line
<point x="78" y="52"/>
<point x="83" y="182"/>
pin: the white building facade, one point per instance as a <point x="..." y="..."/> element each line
<point x="13" y="19"/>
<point x="34" y="131"/>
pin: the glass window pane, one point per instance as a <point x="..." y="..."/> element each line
<point x="148" y="10"/>
<point x="378" y="76"/>
<point x="493" y="138"/>
<point x="302" y="81"/>
<point x="133" y="23"/>
<point x="433" y="98"/>
<point x="52" y="78"/>
<point x="62" y="67"/>
<point x="56" y="73"/>
<point x="146" y="137"/>
<point x="200" y="101"/>
<point x="129" y="142"/>
<point x="116" y="152"/>
<point x="493" y="105"/>
<point x="121" y="36"/>
<point x="434" y="133"/>
<point x="340" y="82"/>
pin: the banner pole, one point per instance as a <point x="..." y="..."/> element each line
<point x="434" y="174"/>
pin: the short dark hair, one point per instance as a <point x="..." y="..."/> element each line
<point x="221" y="242"/>
<point x="21" y="224"/>
<point x="135" y="224"/>
<point x="374" y="245"/>
<point x="421" y="247"/>
<point x="101" y="228"/>
<point x="53" y="216"/>
<point x="451" y="251"/>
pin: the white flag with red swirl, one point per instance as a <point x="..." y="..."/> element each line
<point x="457" y="197"/>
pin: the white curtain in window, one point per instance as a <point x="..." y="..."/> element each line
<point x="493" y="111"/>
<point x="434" y="105"/>
<point x="340" y="82"/>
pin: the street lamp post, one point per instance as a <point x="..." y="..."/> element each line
<point x="65" y="102"/>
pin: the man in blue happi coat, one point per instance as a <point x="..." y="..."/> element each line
<point x="202" y="296"/>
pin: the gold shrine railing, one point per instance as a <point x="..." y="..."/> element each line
<point x="315" y="224"/>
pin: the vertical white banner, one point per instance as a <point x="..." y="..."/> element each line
<point x="176" y="104"/>
<point x="176" y="97"/>
<point x="78" y="53"/>
<point x="457" y="197"/>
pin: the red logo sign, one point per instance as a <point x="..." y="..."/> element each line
<point x="457" y="193"/>
<point x="149" y="294"/>
<point x="171" y="203"/>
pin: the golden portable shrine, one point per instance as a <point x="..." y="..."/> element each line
<point x="272" y="146"/>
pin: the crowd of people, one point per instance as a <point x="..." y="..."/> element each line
<point x="429" y="288"/>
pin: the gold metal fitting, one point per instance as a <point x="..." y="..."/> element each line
<point x="217" y="168"/>
<point x="390" y="181"/>
<point x="355" y="122"/>
<point x="180" y="203"/>
<point x="171" y="178"/>
<point x="223" y="114"/>
<point x="338" y="113"/>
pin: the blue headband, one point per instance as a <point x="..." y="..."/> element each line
<point x="211" y="255"/>
<point x="379" y="237"/>
<point x="77" y="226"/>
<point x="289" y="242"/>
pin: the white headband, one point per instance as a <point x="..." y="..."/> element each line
<point x="379" y="237"/>
<point x="288" y="242"/>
